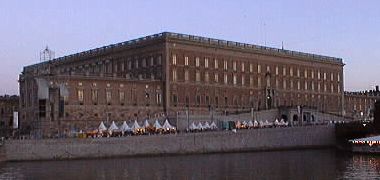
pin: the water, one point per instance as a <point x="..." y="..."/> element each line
<point x="300" y="164"/>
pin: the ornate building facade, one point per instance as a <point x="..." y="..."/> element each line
<point x="170" y="72"/>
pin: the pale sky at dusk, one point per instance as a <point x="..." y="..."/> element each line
<point x="348" y="29"/>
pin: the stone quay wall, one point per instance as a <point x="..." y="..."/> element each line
<point x="183" y="143"/>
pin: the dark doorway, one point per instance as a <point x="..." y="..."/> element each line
<point x="295" y="117"/>
<point x="284" y="117"/>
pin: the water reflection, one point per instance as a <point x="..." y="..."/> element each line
<point x="305" y="164"/>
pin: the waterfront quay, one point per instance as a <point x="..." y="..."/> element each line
<point x="180" y="143"/>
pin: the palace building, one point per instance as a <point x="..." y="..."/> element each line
<point x="170" y="72"/>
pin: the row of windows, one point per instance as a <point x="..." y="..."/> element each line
<point x="114" y="66"/>
<point x="278" y="84"/>
<point x="109" y="95"/>
<point x="306" y="73"/>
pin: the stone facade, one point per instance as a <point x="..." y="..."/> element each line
<point x="361" y="105"/>
<point x="168" y="72"/>
<point x="8" y="105"/>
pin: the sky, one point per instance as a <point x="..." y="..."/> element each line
<point x="348" y="29"/>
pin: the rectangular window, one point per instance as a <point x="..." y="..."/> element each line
<point x="298" y="72"/>
<point x="312" y="74"/>
<point x="197" y="61"/>
<point x="291" y="84"/>
<point x="258" y="68"/>
<point x="225" y="65"/>
<point x="291" y="72"/>
<point x="338" y="76"/>
<point x="234" y="65"/>
<point x="198" y="76"/>
<point x="174" y="75"/>
<point x="338" y="88"/>
<point x="121" y="96"/>
<point x="332" y="77"/>
<point x="319" y="74"/>
<point x="276" y="70"/>
<point x="258" y="81"/>
<point x="242" y="80"/>
<point x="206" y="62"/>
<point x="324" y="76"/>
<point x="225" y="79"/>
<point x="186" y="75"/>
<point x="242" y="67"/>
<point x="206" y="77"/>
<point x="305" y="73"/>
<point x="216" y="78"/>
<point x="216" y="64"/>
<point x="174" y="59"/>
<point x="234" y="79"/>
<point x="186" y="61"/>
<point x="332" y="88"/>
<point x="94" y="95"/>
<point x="250" y="68"/>
<point x="319" y="86"/>
<point x="305" y="86"/>
<point x="284" y="84"/>
<point x="284" y="71"/>
<point x="298" y="85"/>
<point x="251" y="81"/>
<point x="80" y="95"/>
<point x="277" y="83"/>
<point x="108" y="96"/>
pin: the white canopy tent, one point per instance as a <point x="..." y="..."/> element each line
<point x="213" y="125"/>
<point x="255" y="124"/>
<point x="200" y="126"/>
<point x="135" y="126"/>
<point x="168" y="126"/>
<point x="193" y="126"/>
<point x="146" y="124"/>
<point x="207" y="125"/>
<point x="125" y="128"/>
<point x="102" y="127"/>
<point x="250" y="124"/>
<point x="113" y="127"/>
<point x="157" y="125"/>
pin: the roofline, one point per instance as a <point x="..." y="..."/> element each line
<point x="199" y="39"/>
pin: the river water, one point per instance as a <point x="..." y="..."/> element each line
<point x="297" y="164"/>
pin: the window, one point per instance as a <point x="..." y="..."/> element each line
<point x="312" y="86"/>
<point x="276" y="70"/>
<point x="174" y="59"/>
<point x="277" y="83"/>
<point x="291" y="84"/>
<point x="251" y="81"/>
<point x="291" y="72"/>
<point x="121" y="96"/>
<point x="234" y="65"/>
<point x="338" y="88"/>
<point x="338" y="76"/>
<point x="268" y="82"/>
<point x="319" y="74"/>
<point x="197" y="61"/>
<point x="206" y="62"/>
<point x="80" y="95"/>
<point x="284" y="84"/>
<point x="216" y="77"/>
<point x="242" y="80"/>
<point x="268" y="68"/>
<point x="225" y="65"/>
<point x="250" y="68"/>
<point x="325" y="87"/>
<point x="298" y="85"/>
<point x="186" y="75"/>
<point x="324" y="76"/>
<point x="305" y="85"/>
<point x="159" y="60"/>
<point x="258" y="68"/>
<point x="198" y="76"/>
<point x="216" y="64"/>
<point x="332" y="77"/>
<point x="206" y="77"/>
<point x="234" y="79"/>
<point x="284" y="71"/>
<point x="242" y="67"/>
<point x="225" y="79"/>
<point x="332" y="88"/>
<point x="94" y="95"/>
<point x="298" y="72"/>
<point x="259" y="81"/>
<point x="305" y="73"/>
<point x="186" y="61"/>
<point x="108" y="96"/>
<point x="174" y="75"/>
<point x="312" y="74"/>
<point x="319" y="86"/>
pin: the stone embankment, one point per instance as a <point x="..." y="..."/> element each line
<point x="182" y="143"/>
